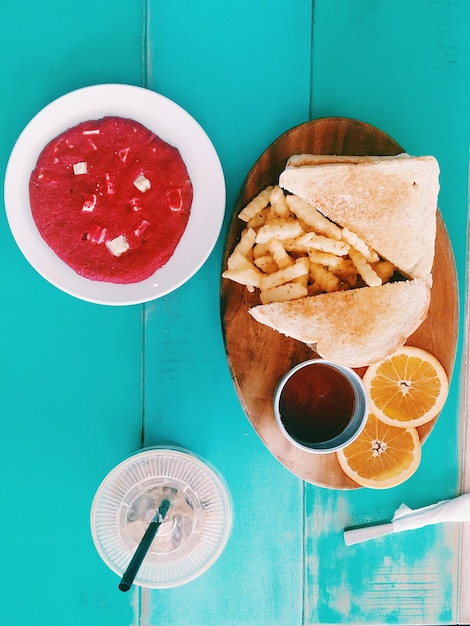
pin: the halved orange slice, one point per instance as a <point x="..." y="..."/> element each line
<point x="408" y="388"/>
<point x="382" y="456"/>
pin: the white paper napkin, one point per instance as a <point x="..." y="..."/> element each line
<point x="453" y="510"/>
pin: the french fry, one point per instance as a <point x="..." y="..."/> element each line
<point x="248" y="276"/>
<point x="238" y="261"/>
<point x="289" y="250"/>
<point x="384" y="269"/>
<point x="304" y="278"/>
<point x="293" y="245"/>
<point x="259" y="249"/>
<point x="279" y="254"/>
<point x="258" y="203"/>
<point x="282" y="293"/>
<point x="346" y="266"/>
<point x="278" y="202"/>
<point x="360" y="245"/>
<point x="364" y="268"/>
<point x="349" y="279"/>
<point x="314" y="289"/>
<point x="285" y="275"/>
<point x="312" y="241"/>
<point x="330" y="261"/>
<point x="286" y="230"/>
<point x="325" y="279"/>
<point x="266" y="264"/>
<point x="347" y="273"/>
<point x="247" y="241"/>
<point x="312" y="217"/>
<point x="259" y="218"/>
<point x="305" y="261"/>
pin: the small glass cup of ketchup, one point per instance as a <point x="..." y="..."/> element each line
<point x="320" y="406"/>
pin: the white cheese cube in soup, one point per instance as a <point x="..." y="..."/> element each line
<point x="80" y="168"/>
<point x="118" y="245"/>
<point x="142" y="183"/>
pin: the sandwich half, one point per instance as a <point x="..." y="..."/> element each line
<point x="390" y="202"/>
<point x="355" y="328"/>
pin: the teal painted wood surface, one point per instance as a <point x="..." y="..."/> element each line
<point x="70" y="371"/>
<point x="83" y="386"/>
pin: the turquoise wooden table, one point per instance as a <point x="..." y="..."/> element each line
<point x="83" y="386"/>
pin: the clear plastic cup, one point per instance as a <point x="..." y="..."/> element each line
<point x="194" y="531"/>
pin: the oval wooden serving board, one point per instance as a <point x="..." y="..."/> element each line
<point x="258" y="356"/>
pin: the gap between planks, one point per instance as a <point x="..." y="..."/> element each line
<point x="464" y="586"/>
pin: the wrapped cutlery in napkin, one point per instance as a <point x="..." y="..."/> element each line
<point x="453" y="510"/>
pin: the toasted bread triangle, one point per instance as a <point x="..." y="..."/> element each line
<point x="390" y="202"/>
<point x="356" y="327"/>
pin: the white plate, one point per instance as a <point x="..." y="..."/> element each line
<point x="167" y="120"/>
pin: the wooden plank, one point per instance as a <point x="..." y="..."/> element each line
<point x="70" y="371"/>
<point x="415" y="86"/>
<point x="245" y="82"/>
<point x="408" y="578"/>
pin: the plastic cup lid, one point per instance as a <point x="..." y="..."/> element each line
<point x="196" y="527"/>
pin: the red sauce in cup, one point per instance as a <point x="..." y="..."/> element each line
<point x="316" y="403"/>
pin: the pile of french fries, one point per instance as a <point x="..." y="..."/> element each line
<point x="290" y="250"/>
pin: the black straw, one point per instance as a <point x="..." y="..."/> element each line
<point x="142" y="549"/>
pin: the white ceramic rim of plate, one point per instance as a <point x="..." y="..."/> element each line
<point x="170" y="122"/>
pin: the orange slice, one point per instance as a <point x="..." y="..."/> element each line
<point x="382" y="456"/>
<point x="407" y="389"/>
